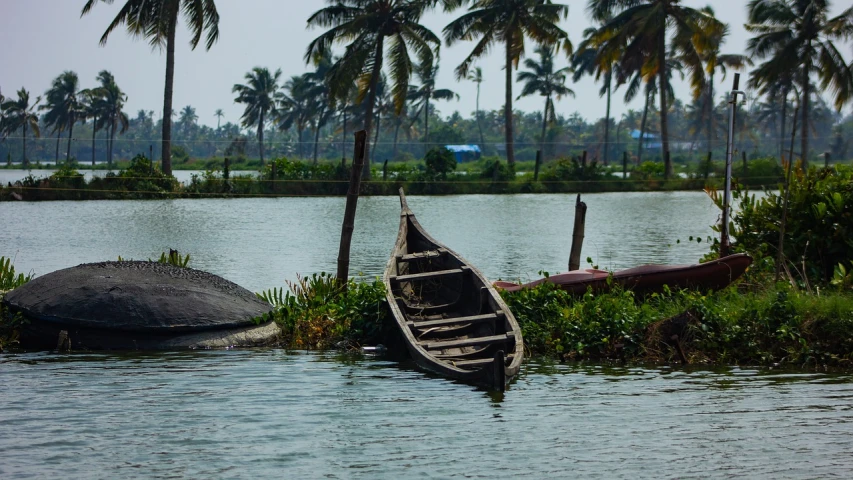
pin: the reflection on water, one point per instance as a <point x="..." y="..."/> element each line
<point x="261" y="242"/>
<point x="260" y="413"/>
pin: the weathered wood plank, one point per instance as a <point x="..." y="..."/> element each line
<point x="422" y="255"/>
<point x="444" y="322"/>
<point x="477" y="362"/>
<point x="467" y="342"/>
<point x="427" y="275"/>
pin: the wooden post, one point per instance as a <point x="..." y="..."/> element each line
<point x="150" y="160"/>
<point x="536" y="168"/>
<point x="385" y="170"/>
<point x="349" y="212"/>
<point x="708" y="165"/>
<point x="273" y="175"/>
<point x="826" y="157"/>
<point x="743" y="154"/>
<point x="666" y="162"/>
<point x="577" y="235"/>
<point x="226" y="174"/>
<point x="780" y="257"/>
<point x="625" y="164"/>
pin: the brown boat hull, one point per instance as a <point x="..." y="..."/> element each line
<point x="710" y="276"/>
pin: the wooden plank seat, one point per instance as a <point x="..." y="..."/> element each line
<point x="446" y="322"/>
<point x="422" y="255"/>
<point x="429" y="275"/>
<point x="477" y="362"/>
<point x="466" y="342"/>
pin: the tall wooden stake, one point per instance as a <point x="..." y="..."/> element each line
<point x="779" y="256"/>
<point x="725" y="246"/>
<point x="536" y="167"/>
<point x="349" y="212"/>
<point x="577" y="234"/>
<point x="625" y="164"/>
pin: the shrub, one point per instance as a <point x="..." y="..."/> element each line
<point x="439" y="162"/>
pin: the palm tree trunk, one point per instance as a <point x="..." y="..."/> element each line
<point x="710" y="101"/>
<point x="58" y="138"/>
<point x="24" y="161"/>
<point x="70" y="135"/>
<point x="376" y="137"/>
<point x="782" y="130"/>
<point x="344" y="134"/>
<point x="805" y="126"/>
<point x="664" y="130"/>
<point x="94" y="132"/>
<point x="544" y="125"/>
<point x="261" y="136"/>
<point x="426" y="123"/>
<point x="371" y="101"/>
<point x="510" y="155"/>
<point x="607" y="123"/>
<point x="480" y="121"/>
<point x="167" y="95"/>
<point x="112" y="141"/>
<point x="643" y="125"/>
<point x="396" y="133"/>
<point x="316" y="140"/>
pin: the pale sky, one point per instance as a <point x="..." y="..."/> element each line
<point x="41" y="38"/>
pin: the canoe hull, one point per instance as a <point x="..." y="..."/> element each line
<point x="713" y="275"/>
<point x="452" y="320"/>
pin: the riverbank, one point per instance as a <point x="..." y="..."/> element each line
<point x="140" y="179"/>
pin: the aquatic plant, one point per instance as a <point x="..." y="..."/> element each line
<point x="8" y="278"/>
<point x="319" y="313"/>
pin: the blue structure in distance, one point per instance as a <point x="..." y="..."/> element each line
<point x="464" y="153"/>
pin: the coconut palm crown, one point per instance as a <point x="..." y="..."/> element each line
<point x="799" y="36"/>
<point x="370" y="28"/>
<point x="157" y="22"/>
<point x="645" y="33"/>
<point x="260" y="94"/>
<point x="507" y="22"/>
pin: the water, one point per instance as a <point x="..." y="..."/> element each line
<point x="272" y="414"/>
<point x="260" y="243"/>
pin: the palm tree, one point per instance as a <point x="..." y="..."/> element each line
<point x="218" y="114"/>
<point x="110" y="105"/>
<point x="636" y="32"/>
<point x="368" y="25"/>
<point x="260" y="94"/>
<point x="715" y="61"/>
<point x="541" y="78"/>
<point x="508" y="22"/>
<point x="476" y="76"/>
<point x="320" y="98"/>
<point x="157" y="22"/>
<point x="188" y="119"/>
<point x="295" y="107"/>
<point x="90" y="110"/>
<point x="63" y="108"/>
<point x="588" y="61"/>
<point x="20" y="114"/>
<point x="426" y="91"/>
<point x="797" y="36"/>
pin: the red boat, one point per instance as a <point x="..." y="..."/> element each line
<point x="712" y="275"/>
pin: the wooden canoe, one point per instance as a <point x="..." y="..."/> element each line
<point x="453" y="321"/>
<point x="712" y="275"/>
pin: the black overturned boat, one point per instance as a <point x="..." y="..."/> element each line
<point x="453" y="321"/>
<point x="138" y="306"/>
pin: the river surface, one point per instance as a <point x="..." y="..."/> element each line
<point x="278" y="414"/>
<point x="260" y="243"/>
<point x="274" y="414"/>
